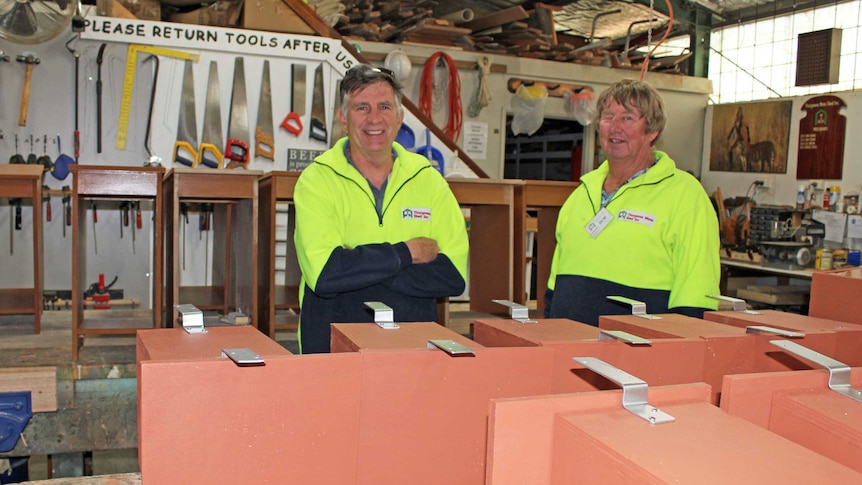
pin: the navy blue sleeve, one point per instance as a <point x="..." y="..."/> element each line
<point x="430" y="280"/>
<point x="361" y="267"/>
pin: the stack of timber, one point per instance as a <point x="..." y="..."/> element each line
<point x="511" y="31"/>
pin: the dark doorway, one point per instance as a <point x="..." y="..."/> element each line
<point x="551" y="153"/>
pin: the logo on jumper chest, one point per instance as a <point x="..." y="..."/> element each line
<point x="415" y="214"/>
<point x="635" y="216"/>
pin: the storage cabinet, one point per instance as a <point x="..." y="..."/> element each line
<point x="24" y="182"/>
<point x="233" y="196"/>
<point x="92" y="184"/>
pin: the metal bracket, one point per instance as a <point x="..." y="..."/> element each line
<point x="517" y="312"/>
<point x="625" y="337"/>
<point x="761" y="330"/>
<point x="451" y="347"/>
<point x="384" y="317"/>
<point x="634" y="390"/>
<point x="638" y="307"/>
<point x="191" y="318"/>
<point x="243" y="357"/>
<point x="739" y="305"/>
<point x="839" y="372"/>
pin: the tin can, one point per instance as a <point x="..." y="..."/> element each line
<point x="826" y="260"/>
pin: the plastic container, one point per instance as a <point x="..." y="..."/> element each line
<point x="800" y="197"/>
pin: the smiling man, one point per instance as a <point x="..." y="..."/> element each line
<point x="637" y="226"/>
<point x="374" y="222"/>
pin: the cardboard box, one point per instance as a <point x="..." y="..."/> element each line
<point x="273" y="16"/>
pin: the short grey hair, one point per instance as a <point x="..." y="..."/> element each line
<point x="634" y="94"/>
<point x="361" y="76"/>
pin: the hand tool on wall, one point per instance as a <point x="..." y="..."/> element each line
<point x="293" y="121"/>
<point x="184" y="212"/>
<point x="99" y="59"/>
<point x="211" y="141"/>
<point x="46" y="198"/>
<point x="77" y="135"/>
<point x="32" y="158"/>
<point x="185" y="151"/>
<point x="29" y="60"/>
<point x="204" y="225"/>
<point x="95" y="220"/>
<point x="318" y="107"/>
<point x="67" y="208"/>
<point x="236" y="149"/>
<point x="16" y="158"/>
<point x="129" y="82"/>
<point x="45" y="160"/>
<point x="152" y="160"/>
<point x="264" y="144"/>
<point x="337" y="132"/>
<point x="14" y="225"/>
<point x="124" y="216"/>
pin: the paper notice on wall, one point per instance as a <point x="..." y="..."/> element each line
<point x="854" y="226"/>
<point x="834" y="222"/>
<point x="476" y="139"/>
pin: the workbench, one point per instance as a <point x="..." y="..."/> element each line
<point x="545" y="198"/>
<point x="787" y="287"/>
<point x="24" y="181"/>
<point x="492" y="207"/>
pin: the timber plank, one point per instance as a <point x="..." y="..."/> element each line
<point x="40" y="381"/>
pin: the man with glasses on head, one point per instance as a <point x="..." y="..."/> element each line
<point x="374" y="222"/>
<point x="637" y="226"/>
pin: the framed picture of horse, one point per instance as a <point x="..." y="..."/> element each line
<point x="750" y="137"/>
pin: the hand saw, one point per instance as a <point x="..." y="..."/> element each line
<point x="211" y="141"/>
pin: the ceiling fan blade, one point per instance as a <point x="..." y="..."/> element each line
<point x="20" y="20"/>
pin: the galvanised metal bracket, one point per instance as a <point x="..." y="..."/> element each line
<point x="634" y="390"/>
<point x="451" y="347"/>
<point x="517" y="312"/>
<point x="384" y="316"/>
<point x="739" y="305"/>
<point x="839" y="372"/>
<point x="191" y="318"/>
<point x="638" y="307"/>
<point x="243" y="357"/>
<point x="625" y="337"/>
<point x="764" y="330"/>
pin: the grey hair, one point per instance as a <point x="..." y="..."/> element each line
<point x="631" y="93"/>
<point x="361" y="76"/>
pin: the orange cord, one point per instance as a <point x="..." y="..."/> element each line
<point x="426" y="89"/>
<point x="649" y="54"/>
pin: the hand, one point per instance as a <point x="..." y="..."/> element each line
<point x="423" y="249"/>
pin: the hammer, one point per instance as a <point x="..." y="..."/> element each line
<point x="30" y="60"/>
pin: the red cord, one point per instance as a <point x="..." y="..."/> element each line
<point x="426" y="90"/>
<point x="645" y="64"/>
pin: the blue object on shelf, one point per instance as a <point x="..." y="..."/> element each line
<point x="406" y="137"/>
<point x="16" y="409"/>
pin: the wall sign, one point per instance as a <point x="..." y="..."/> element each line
<point x="821" y="139"/>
